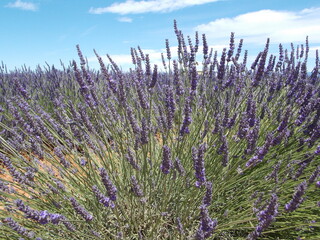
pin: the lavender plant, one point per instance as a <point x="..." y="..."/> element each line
<point x="218" y="151"/>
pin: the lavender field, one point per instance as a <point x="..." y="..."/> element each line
<point x="211" y="147"/>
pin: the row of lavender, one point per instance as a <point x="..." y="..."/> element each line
<point x="224" y="150"/>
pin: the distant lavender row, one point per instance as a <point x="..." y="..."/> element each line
<point x="199" y="151"/>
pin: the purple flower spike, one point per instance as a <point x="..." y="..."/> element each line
<point x="221" y="69"/>
<point x="231" y="48"/>
<point x="317" y="151"/>
<point x="179" y="167"/>
<point x="170" y="106"/>
<point x="314" y="175"/>
<point x="111" y="189"/>
<point x="102" y="198"/>
<point x="132" y="160"/>
<point x="297" y="197"/>
<point x="187" y="118"/>
<point x="80" y="210"/>
<point x="136" y="187"/>
<point x="207" y="225"/>
<point x="166" y="160"/>
<point x="154" y="77"/>
<point x="285" y="120"/>
<point x="58" y="152"/>
<point x="265" y="217"/>
<point x="198" y="161"/>
<point x="179" y="226"/>
<point x="208" y="197"/>
<point x="18" y="228"/>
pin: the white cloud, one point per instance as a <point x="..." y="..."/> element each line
<point x="134" y="7"/>
<point x="256" y="27"/>
<point x="125" y="19"/>
<point x="23" y="5"/>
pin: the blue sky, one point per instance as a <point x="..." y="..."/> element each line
<point x="38" y="31"/>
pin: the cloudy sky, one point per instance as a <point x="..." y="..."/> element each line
<point x="46" y="31"/>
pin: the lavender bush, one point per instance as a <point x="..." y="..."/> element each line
<point x="209" y="148"/>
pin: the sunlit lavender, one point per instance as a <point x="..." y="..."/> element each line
<point x="204" y="146"/>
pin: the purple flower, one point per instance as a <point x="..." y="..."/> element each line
<point x="252" y="138"/>
<point x="21" y="89"/>
<point x="102" y="198"/>
<point x="83" y="162"/>
<point x="231" y="47"/>
<point x="111" y="189"/>
<point x="239" y="50"/>
<point x="179" y="167"/>
<point x="144" y="131"/>
<point x="265" y="217"/>
<point x="176" y="79"/>
<point x="221" y="69"/>
<point x="208" y="196"/>
<point x="84" y="88"/>
<point x="81" y="210"/>
<point x="170" y="106"/>
<point x="18" y="176"/>
<point x="224" y="150"/>
<point x="187" y="118"/>
<point x="285" y="119"/>
<point x="243" y="126"/>
<point x="142" y="96"/>
<point x="161" y="120"/>
<point x="198" y="161"/>
<point x="207" y="225"/>
<point x="179" y="226"/>
<point x="154" y="77"/>
<point x="317" y="151"/>
<point x="43" y="217"/>
<point x="168" y="49"/>
<point x="4" y="187"/>
<point x="166" y="164"/>
<point x="205" y="46"/>
<point x="318" y="184"/>
<point x="274" y="173"/>
<point x="261" y="66"/>
<point x="297" y="197"/>
<point x="135" y="187"/>
<point x="163" y="61"/>
<point x="58" y="152"/>
<point x="194" y="79"/>
<point x="18" y="228"/>
<point x="131" y="159"/>
<point x="314" y="175"/>
<point x="67" y="224"/>
<point x="52" y="188"/>
<point x="60" y="185"/>
<point x="141" y="53"/>
<point x="39" y="216"/>
<point x="55" y="218"/>
<point x="112" y="84"/>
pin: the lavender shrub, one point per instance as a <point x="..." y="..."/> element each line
<point x="109" y="154"/>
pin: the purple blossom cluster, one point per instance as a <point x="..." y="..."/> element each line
<point x="265" y="217"/>
<point x="166" y="164"/>
<point x="198" y="164"/>
<point x="80" y="210"/>
<point x="207" y="225"/>
<point x="43" y="217"/>
<point x="110" y="187"/>
<point x="107" y="202"/>
<point x="297" y="197"/>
